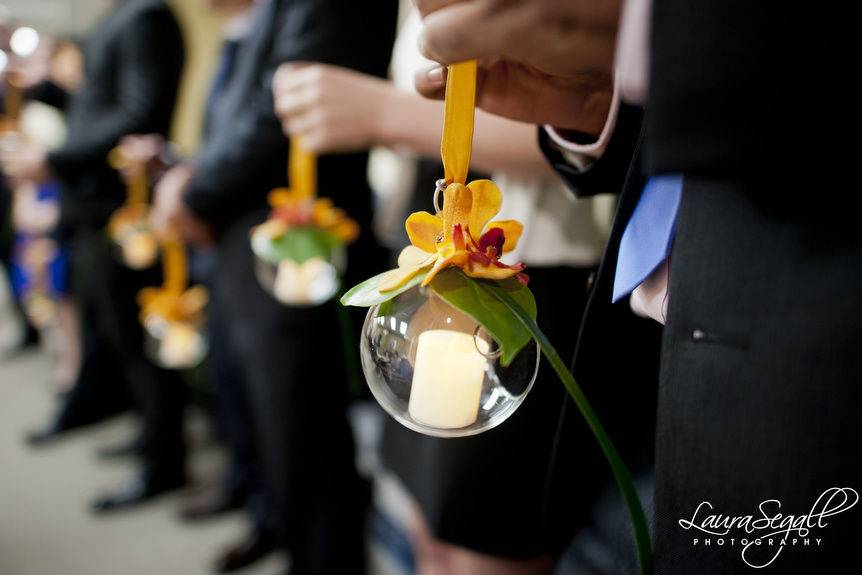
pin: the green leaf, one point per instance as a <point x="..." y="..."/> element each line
<point x="367" y="293"/>
<point x="618" y="467"/>
<point x="298" y="244"/>
<point x="467" y="294"/>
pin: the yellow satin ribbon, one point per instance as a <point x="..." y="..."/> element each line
<point x="457" y="143"/>
<point x="173" y="300"/>
<point x="301" y="171"/>
<point x="12" y="103"/>
<point x="175" y="268"/>
<point x="138" y="189"/>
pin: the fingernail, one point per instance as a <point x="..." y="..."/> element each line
<point x="436" y="75"/>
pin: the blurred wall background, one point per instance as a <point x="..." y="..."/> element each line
<point x="201" y="30"/>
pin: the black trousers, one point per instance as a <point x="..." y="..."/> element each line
<point x="106" y="293"/>
<point x="245" y="474"/>
<point x="291" y="364"/>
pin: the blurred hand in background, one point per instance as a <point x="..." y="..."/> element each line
<point x="25" y="162"/>
<point x="170" y="215"/>
<point x="147" y="150"/>
<point x="332" y="109"/>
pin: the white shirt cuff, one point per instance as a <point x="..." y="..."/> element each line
<point x="583" y="155"/>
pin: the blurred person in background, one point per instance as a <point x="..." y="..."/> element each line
<point x="133" y="61"/>
<point x="243" y="481"/>
<point x="289" y="360"/>
<point x="459" y="525"/>
<point x="39" y="264"/>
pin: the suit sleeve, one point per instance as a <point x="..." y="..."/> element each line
<point x="608" y="173"/>
<point x="49" y="93"/>
<point x="150" y="48"/>
<point x="324" y="31"/>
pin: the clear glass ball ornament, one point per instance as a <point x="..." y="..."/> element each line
<point x="174" y="344"/>
<point x="310" y="283"/>
<point x="436" y="371"/>
<point x="40" y="308"/>
<point x="134" y="243"/>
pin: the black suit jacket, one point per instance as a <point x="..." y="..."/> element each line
<point x="133" y="62"/>
<point x="760" y="371"/>
<point x="245" y="154"/>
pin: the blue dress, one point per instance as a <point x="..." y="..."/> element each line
<point x="56" y="280"/>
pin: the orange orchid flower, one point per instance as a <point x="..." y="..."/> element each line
<point x="461" y="235"/>
<point x="290" y="209"/>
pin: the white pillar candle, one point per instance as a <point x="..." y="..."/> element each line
<point x="288" y="287"/>
<point x="182" y="346"/>
<point x="447" y="379"/>
<point x="311" y="282"/>
<point x="140" y="250"/>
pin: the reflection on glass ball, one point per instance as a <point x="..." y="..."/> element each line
<point x="135" y="244"/>
<point x="39" y="308"/>
<point x="310" y="283"/>
<point x="436" y="371"/>
<point x="139" y="249"/>
<point x="174" y="344"/>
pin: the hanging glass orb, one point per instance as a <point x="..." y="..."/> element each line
<point x="436" y="371"/>
<point x="136" y="245"/>
<point x="305" y="283"/>
<point x="174" y="344"/>
<point x="40" y="308"/>
<point x="38" y="300"/>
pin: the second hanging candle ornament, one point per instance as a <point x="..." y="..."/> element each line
<point x="173" y="313"/>
<point x="129" y="226"/>
<point x="301" y="249"/>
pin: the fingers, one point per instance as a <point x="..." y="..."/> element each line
<point x="296" y="91"/>
<point x="431" y="82"/>
<point x="291" y="75"/>
<point x="464" y="31"/>
<point x="290" y="104"/>
<point x="159" y="222"/>
<point x="425" y="7"/>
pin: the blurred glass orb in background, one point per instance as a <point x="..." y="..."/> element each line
<point x="174" y="344"/>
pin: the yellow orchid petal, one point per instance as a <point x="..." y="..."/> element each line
<point x="414" y="256"/>
<point x="396" y="278"/>
<point x="424" y="229"/>
<point x="347" y="230"/>
<point x="459" y="259"/>
<point x="323" y="208"/>
<point x="512" y="230"/>
<point x="271" y="228"/>
<point x="487" y="201"/>
<point x="280" y="197"/>
<point x="147" y="295"/>
<point x="457" y="204"/>
<point x="192" y="301"/>
<point x="490" y="272"/>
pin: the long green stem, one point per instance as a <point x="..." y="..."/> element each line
<point x="621" y="473"/>
<point x="351" y="359"/>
